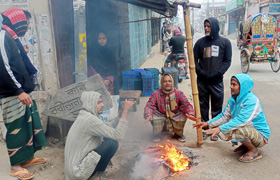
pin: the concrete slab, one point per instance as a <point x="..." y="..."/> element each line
<point x="66" y="103"/>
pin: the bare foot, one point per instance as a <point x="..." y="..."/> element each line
<point x="18" y="168"/>
<point x="240" y="148"/>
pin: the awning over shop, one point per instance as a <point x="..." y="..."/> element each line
<point x="163" y="7"/>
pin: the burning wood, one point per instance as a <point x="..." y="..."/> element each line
<point x="170" y="156"/>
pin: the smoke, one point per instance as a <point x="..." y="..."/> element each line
<point x="143" y="168"/>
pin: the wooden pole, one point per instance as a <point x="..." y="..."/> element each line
<point x="189" y="40"/>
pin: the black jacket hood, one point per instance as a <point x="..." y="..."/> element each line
<point x="215" y="28"/>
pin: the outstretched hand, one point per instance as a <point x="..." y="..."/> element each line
<point x="191" y="117"/>
<point x="201" y="124"/>
<point x="127" y="104"/>
<point x="214" y="131"/>
<point x="149" y="118"/>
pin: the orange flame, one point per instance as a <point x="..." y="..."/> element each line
<point x="174" y="158"/>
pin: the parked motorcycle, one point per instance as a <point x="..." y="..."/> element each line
<point x="179" y="63"/>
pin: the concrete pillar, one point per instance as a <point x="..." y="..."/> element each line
<point x="80" y="41"/>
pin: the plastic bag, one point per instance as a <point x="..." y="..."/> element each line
<point x="111" y="113"/>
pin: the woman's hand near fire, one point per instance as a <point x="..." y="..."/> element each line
<point x="149" y="118"/>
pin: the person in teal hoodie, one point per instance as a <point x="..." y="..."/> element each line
<point x="242" y="120"/>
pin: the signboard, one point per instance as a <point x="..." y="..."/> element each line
<point x="274" y="8"/>
<point x="239" y="2"/>
<point x="66" y="103"/>
<point x="233" y="4"/>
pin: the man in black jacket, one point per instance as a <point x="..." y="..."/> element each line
<point x="212" y="55"/>
<point x="177" y="43"/>
<point x="24" y="135"/>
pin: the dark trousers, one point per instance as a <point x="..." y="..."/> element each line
<point x="106" y="150"/>
<point x="216" y="93"/>
<point x="162" y="46"/>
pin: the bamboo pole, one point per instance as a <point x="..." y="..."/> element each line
<point x="189" y="40"/>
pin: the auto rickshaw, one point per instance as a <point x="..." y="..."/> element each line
<point x="259" y="42"/>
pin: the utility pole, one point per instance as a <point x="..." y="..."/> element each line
<point x="207" y="9"/>
<point x="213" y="9"/>
<point x="193" y="17"/>
<point x="246" y="9"/>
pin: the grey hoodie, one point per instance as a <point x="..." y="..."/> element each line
<point x="85" y="135"/>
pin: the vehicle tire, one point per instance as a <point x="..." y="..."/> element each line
<point x="245" y="62"/>
<point x="275" y="66"/>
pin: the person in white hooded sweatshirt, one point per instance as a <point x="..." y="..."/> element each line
<point x="91" y="142"/>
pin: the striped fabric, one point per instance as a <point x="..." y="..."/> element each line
<point x="18" y="21"/>
<point x="24" y="130"/>
<point x="244" y="134"/>
<point x="174" y="125"/>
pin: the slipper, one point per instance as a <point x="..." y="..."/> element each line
<point x="24" y="171"/>
<point x="205" y="136"/>
<point x="156" y="138"/>
<point x="214" y="138"/>
<point x="34" y="161"/>
<point x="180" y="138"/>
<point x="259" y="156"/>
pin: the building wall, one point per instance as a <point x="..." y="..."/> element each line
<point x="40" y="41"/>
<point x="138" y="35"/>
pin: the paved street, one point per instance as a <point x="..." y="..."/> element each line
<point x="216" y="160"/>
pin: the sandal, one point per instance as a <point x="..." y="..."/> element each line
<point x="18" y="173"/>
<point x="254" y="158"/>
<point x="214" y="138"/>
<point x="34" y="161"/>
<point x="156" y="138"/>
<point x="205" y="136"/>
<point x="180" y="138"/>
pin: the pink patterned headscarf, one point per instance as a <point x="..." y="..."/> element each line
<point x="177" y="32"/>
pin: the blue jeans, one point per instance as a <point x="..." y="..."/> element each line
<point x="106" y="150"/>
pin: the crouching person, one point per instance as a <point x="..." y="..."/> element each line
<point x="91" y="142"/>
<point x="168" y="108"/>
<point x="242" y="120"/>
